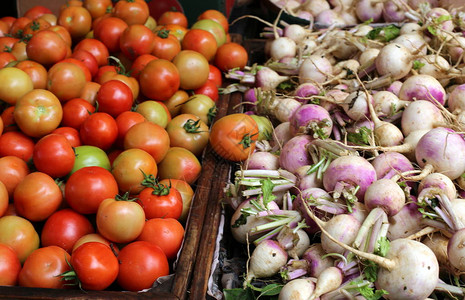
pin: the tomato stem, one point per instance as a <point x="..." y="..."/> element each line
<point x="192" y="126"/>
<point x="163" y="33"/>
<point x="247" y="140"/>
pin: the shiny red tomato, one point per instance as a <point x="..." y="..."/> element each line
<point x="231" y="55"/>
<point x="66" y="80"/>
<point x="136" y="40"/>
<point x="132" y="11"/>
<point x="36" y="11"/>
<point x="216" y="16"/>
<point x="114" y="98"/>
<point x="99" y="130"/>
<point x="53" y="155"/>
<point x="98" y="8"/>
<point x="96" y="48"/>
<point x="141" y="263"/>
<point x="19" y="234"/>
<point x="6" y="58"/>
<point x="159" y="79"/>
<point x="187" y="194"/>
<point x="35" y="26"/>
<point x="201" y="41"/>
<point x="172" y="17"/>
<point x="37" y="196"/>
<point x="165" y="45"/>
<point x="109" y="31"/>
<point x="139" y="63"/>
<point x="95" y="265"/>
<point x="75" y="112"/>
<point x="63" y="228"/>
<point x="36" y="71"/>
<point x="77" y="20"/>
<point x="149" y="137"/>
<point x="215" y="75"/>
<point x="81" y="65"/>
<point x="209" y="89"/>
<point x="125" y="121"/>
<point x="12" y="171"/>
<point x="17" y="144"/>
<point x="166" y="233"/>
<point x="46" y="47"/>
<point x="63" y="33"/>
<point x="179" y="163"/>
<point x="43" y="267"/>
<point x="71" y="134"/>
<point x="9" y="266"/>
<point x="87" y="59"/>
<point x="18" y="25"/>
<point x="160" y="200"/>
<point x="87" y="187"/>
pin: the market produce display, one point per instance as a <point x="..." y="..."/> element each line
<point x="355" y="189"/>
<point x="105" y="118"/>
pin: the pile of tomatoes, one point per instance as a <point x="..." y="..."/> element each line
<point x="105" y="115"/>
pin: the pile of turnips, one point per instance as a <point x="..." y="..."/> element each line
<point x="354" y="188"/>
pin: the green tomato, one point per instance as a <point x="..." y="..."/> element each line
<point x="214" y="28"/>
<point x="201" y="106"/>
<point x="154" y="112"/>
<point x="87" y="156"/>
<point x="265" y="128"/>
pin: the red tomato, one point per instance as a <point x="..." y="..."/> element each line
<point x="19" y="234"/>
<point x="188" y="131"/>
<point x="46" y="47"/>
<point x="95" y="265"/>
<point x="81" y="65"/>
<point x="177" y="30"/>
<point x="37" y="196"/>
<point x="36" y="71"/>
<point x="87" y="59"/>
<point x="120" y="220"/>
<point x="231" y="55"/>
<point x="215" y="75"/>
<point x="166" y="233"/>
<point x="63" y="33"/>
<point x="18" y="25"/>
<point x="187" y="194"/>
<point x="7" y="42"/>
<point x="35" y="26"/>
<point x="53" y="155"/>
<point x="201" y="41"/>
<point x="125" y="121"/>
<point x="12" y="171"/>
<point x="9" y="266"/>
<point x="38" y="113"/>
<point x="6" y="58"/>
<point x="114" y="98"/>
<point x="36" y="11"/>
<point x="141" y="264"/>
<point x="130" y="167"/>
<point x="4" y="199"/>
<point x="98" y="8"/>
<point x="160" y="201"/>
<point x="66" y="80"/>
<point x="213" y="27"/>
<point x="149" y="137"/>
<point x="17" y="144"/>
<point x="172" y="17"/>
<point x="233" y="136"/>
<point x="139" y="63"/>
<point x="132" y="11"/>
<point x="109" y="31"/>
<point x="9" y="20"/>
<point x="77" y="20"/>
<point x="216" y="16"/>
<point x="43" y="267"/>
<point x="96" y="48"/>
<point x="159" y="79"/>
<point x="71" y="134"/>
<point x="99" y="130"/>
<point x="209" y="89"/>
<point x="88" y="187"/>
<point x="75" y="112"/>
<point x="179" y="163"/>
<point x="136" y="40"/>
<point x="165" y="45"/>
<point x="63" y="228"/>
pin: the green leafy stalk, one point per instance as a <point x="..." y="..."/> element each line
<point x="384" y="34"/>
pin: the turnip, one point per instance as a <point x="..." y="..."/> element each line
<point x="294" y="240"/>
<point x="456" y="100"/>
<point x="414" y="41"/>
<point x="390" y="163"/>
<point x="268" y="79"/>
<point x="295" y="32"/>
<point x="394" y="61"/>
<point x="344" y="228"/>
<point x="261" y="160"/>
<point x="297" y="289"/>
<point x="386" y="194"/>
<point x="423" y="87"/>
<point x="437" y="67"/>
<point x="414" y="117"/>
<point x="283" y="47"/>
<point x="405" y="223"/>
<point x="368" y="9"/>
<point x="317" y="259"/>
<point x="315" y="69"/>
<point x="307" y="180"/>
<point x="306" y="90"/>
<point x="294" y="153"/>
<point x="441" y="181"/>
<point x="328" y="18"/>
<point x="281" y="134"/>
<point x="456" y="250"/>
<point x="394" y="87"/>
<point x="355" y="105"/>
<point x="312" y="120"/>
<point x="393" y="12"/>
<point x="438" y="243"/>
<point x="386" y="103"/>
<point x="315" y="7"/>
<point x="328" y="280"/>
<point x="266" y="260"/>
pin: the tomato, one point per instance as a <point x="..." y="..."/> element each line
<point x="150" y="23"/>
<point x="8" y="119"/>
<point x="141" y="264"/>
<point x="1" y="126"/>
<point x="77" y="20"/>
<point x="9" y="266"/>
<point x="95" y="265"/>
<point x="87" y="187"/>
<point x="165" y="45"/>
<point x="6" y="58"/>
<point x="98" y="8"/>
<point x="217" y="16"/>
<point x="75" y="112"/>
<point x="4" y="28"/>
<point x="36" y="72"/>
<point x="265" y="127"/>
<point x="99" y="130"/>
<point x="114" y="98"/>
<point x="15" y="83"/>
<point x="131" y="82"/>
<point x="120" y="220"/>
<point x="63" y="228"/>
<point x="177" y="30"/>
<point x="38" y="113"/>
<point x="202" y="106"/>
<point x="166" y="233"/>
<point x="43" y="267"/>
<point x="172" y="17"/>
<point x="174" y="102"/>
<point x="71" y="134"/>
<point x="7" y="42"/>
<point x="214" y="28"/>
<point x="230" y="56"/>
<point x="136" y="40"/>
<point x="96" y="48"/>
<point x="90" y="91"/>
<point x="51" y="18"/>
<point x="179" y="163"/>
<point x="37" y="196"/>
<point x="193" y="69"/>
<point x="201" y="41"/>
<point x="159" y="79"/>
<point x="132" y="11"/>
<point x="8" y="20"/>
<point x="139" y="63"/>
<point x="209" y="89"/>
<point x="87" y="59"/>
<point x="36" y="11"/>
<point x="17" y="144"/>
<point x="149" y="137"/>
<point x="81" y="65"/>
<point x="4" y="199"/>
<point x="46" y="47"/>
<point x="53" y="155"/>
<point x="18" y="25"/>
<point x="12" y="171"/>
<point x="87" y="156"/>
<point x="95" y="237"/>
<point x="129" y="168"/>
<point x="19" y="234"/>
<point x="160" y="200"/>
<point x="125" y="121"/>
<point x="188" y="131"/>
<point x="233" y="136"/>
<point x="109" y="31"/>
<point x="187" y="194"/>
<point x="63" y="33"/>
<point x="19" y="50"/>
<point x="66" y="80"/>
<point x="35" y="26"/>
<point x="155" y="112"/>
